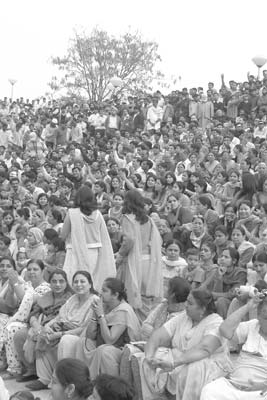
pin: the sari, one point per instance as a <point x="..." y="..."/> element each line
<point x="186" y="381"/>
<point x="98" y="356"/>
<point x="46" y="308"/>
<point x="142" y="269"/>
<point x="71" y="315"/>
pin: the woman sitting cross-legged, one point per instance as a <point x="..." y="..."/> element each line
<point x="186" y="352"/>
<point x="72" y="319"/>
<point x="248" y="379"/>
<point x="29" y="340"/>
<point x="113" y="325"/>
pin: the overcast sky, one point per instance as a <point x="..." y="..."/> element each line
<point x="198" y="39"/>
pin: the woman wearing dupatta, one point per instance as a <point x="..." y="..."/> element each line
<point x="140" y="266"/>
<point x="27" y="293"/>
<point x="29" y="340"/>
<point x="232" y="277"/>
<point x="72" y="319"/>
<point x="113" y="324"/>
<point x="194" y="354"/>
<point x="35" y="247"/>
<point x="173" y="305"/>
<point x="87" y="240"/>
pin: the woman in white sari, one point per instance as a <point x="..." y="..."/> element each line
<point x="87" y="240"/>
<point x="186" y="352"/>
<point x="248" y="380"/>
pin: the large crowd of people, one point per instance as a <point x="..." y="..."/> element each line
<point x="133" y="244"/>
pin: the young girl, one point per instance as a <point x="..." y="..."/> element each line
<point x="116" y="210"/>
<point x="207" y="253"/>
<point x="55" y="257"/>
<point x="115" y="234"/>
<point x="172" y="264"/>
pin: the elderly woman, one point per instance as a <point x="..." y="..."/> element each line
<point x="248" y="380"/>
<point x="112" y="325"/>
<point x="35" y="247"/>
<point x="187" y="352"/>
<point x="39" y="220"/>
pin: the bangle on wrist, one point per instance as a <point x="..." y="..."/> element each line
<point x="16" y="284"/>
<point x="101" y="316"/>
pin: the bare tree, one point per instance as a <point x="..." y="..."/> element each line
<point x="92" y="61"/>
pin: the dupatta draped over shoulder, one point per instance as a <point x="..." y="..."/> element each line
<point x="90" y="232"/>
<point x="133" y="271"/>
<point x="123" y="314"/>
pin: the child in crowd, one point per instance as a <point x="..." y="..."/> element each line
<point x="172" y="264"/>
<point x="194" y="273"/>
<point x="4" y="246"/>
<point x="21" y="262"/>
<point x="55" y="257"/>
<point x="115" y="235"/>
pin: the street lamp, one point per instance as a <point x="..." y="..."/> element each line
<point x="12" y="83"/>
<point x="116" y="81"/>
<point x="259" y="61"/>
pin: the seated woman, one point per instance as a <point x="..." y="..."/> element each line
<point x="35" y="247"/>
<point x="113" y="325"/>
<point x="177" y="215"/>
<point x="246" y="218"/>
<point x="39" y="220"/>
<point x="72" y="319"/>
<point x="231" y="278"/>
<point x="194" y="352"/>
<point x="27" y="291"/>
<point x="195" y="236"/>
<point x="178" y="291"/>
<point x="46" y="308"/>
<point x="170" y="307"/>
<point x="9" y="301"/>
<point x="245" y="248"/>
<point x="248" y="378"/>
<point x="205" y="208"/>
<point x="172" y="264"/>
<point x="221" y="239"/>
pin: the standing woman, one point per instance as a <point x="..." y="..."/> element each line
<point x="87" y="240"/>
<point x="139" y="260"/>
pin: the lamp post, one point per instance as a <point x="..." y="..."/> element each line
<point x="12" y="83"/>
<point x="116" y="81"/>
<point x="259" y="61"/>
